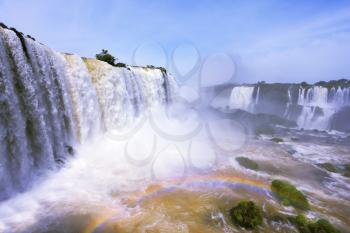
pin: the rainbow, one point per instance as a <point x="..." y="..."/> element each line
<point x="190" y="183"/>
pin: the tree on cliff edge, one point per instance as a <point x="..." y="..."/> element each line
<point x="106" y="57"/>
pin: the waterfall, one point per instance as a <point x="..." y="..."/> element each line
<point x="50" y="102"/>
<point x="289" y="103"/>
<point x="242" y="98"/>
<point x="319" y="104"/>
<point x="257" y="98"/>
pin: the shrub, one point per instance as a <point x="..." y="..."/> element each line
<point x="106" y="57"/>
<point x="246" y="214"/>
<point x="289" y="195"/>
<point x="301" y="222"/>
<point x="154" y="67"/>
<point x="322" y="226"/>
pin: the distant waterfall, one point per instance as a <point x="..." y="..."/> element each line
<point x="289" y="103"/>
<point x="319" y="104"/>
<point x="242" y="98"/>
<point x="51" y="101"/>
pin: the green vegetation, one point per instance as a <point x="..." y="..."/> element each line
<point x="347" y="170"/>
<point x="119" y="64"/>
<point x="110" y="59"/>
<point x="246" y="214"/>
<point x="106" y="57"/>
<point x="322" y="225"/>
<point x="289" y="195"/>
<point x="329" y="167"/>
<point x="247" y="163"/>
<point x="301" y="222"/>
<point x="334" y="83"/>
<point x="305" y="85"/>
<point x="319" y="226"/>
<point x="277" y="140"/>
<point x="154" y="67"/>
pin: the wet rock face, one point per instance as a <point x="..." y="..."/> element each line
<point x="246" y="214"/>
<point x="273" y="98"/>
<point x="340" y="120"/>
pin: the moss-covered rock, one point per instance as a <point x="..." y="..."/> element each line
<point x="347" y="170"/>
<point x="289" y="195"/>
<point x="304" y="225"/>
<point x="322" y="226"/>
<point x="329" y="167"/>
<point x="246" y="214"/>
<point x="277" y="140"/>
<point x="247" y="163"/>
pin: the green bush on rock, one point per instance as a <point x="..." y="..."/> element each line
<point x="329" y="167"/>
<point x="320" y="226"/>
<point x="289" y="195"/>
<point x="347" y="170"/>
<point x="247" y="163"/>
<point x="246" y="214"/>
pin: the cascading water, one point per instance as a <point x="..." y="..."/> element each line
<point x="319" y="104"/>
<point x="310" y="107"/>
<point x="289" y="103"/>
<point x="257" y="95"/>
<point x="36" y="130"/>
<point x="242" y="98"/>
<point x="51" y="101"/>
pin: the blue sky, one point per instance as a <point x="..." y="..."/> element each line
<point x="284" y="41"/>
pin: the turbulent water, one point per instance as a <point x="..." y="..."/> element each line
<point x="88" y="147"/>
